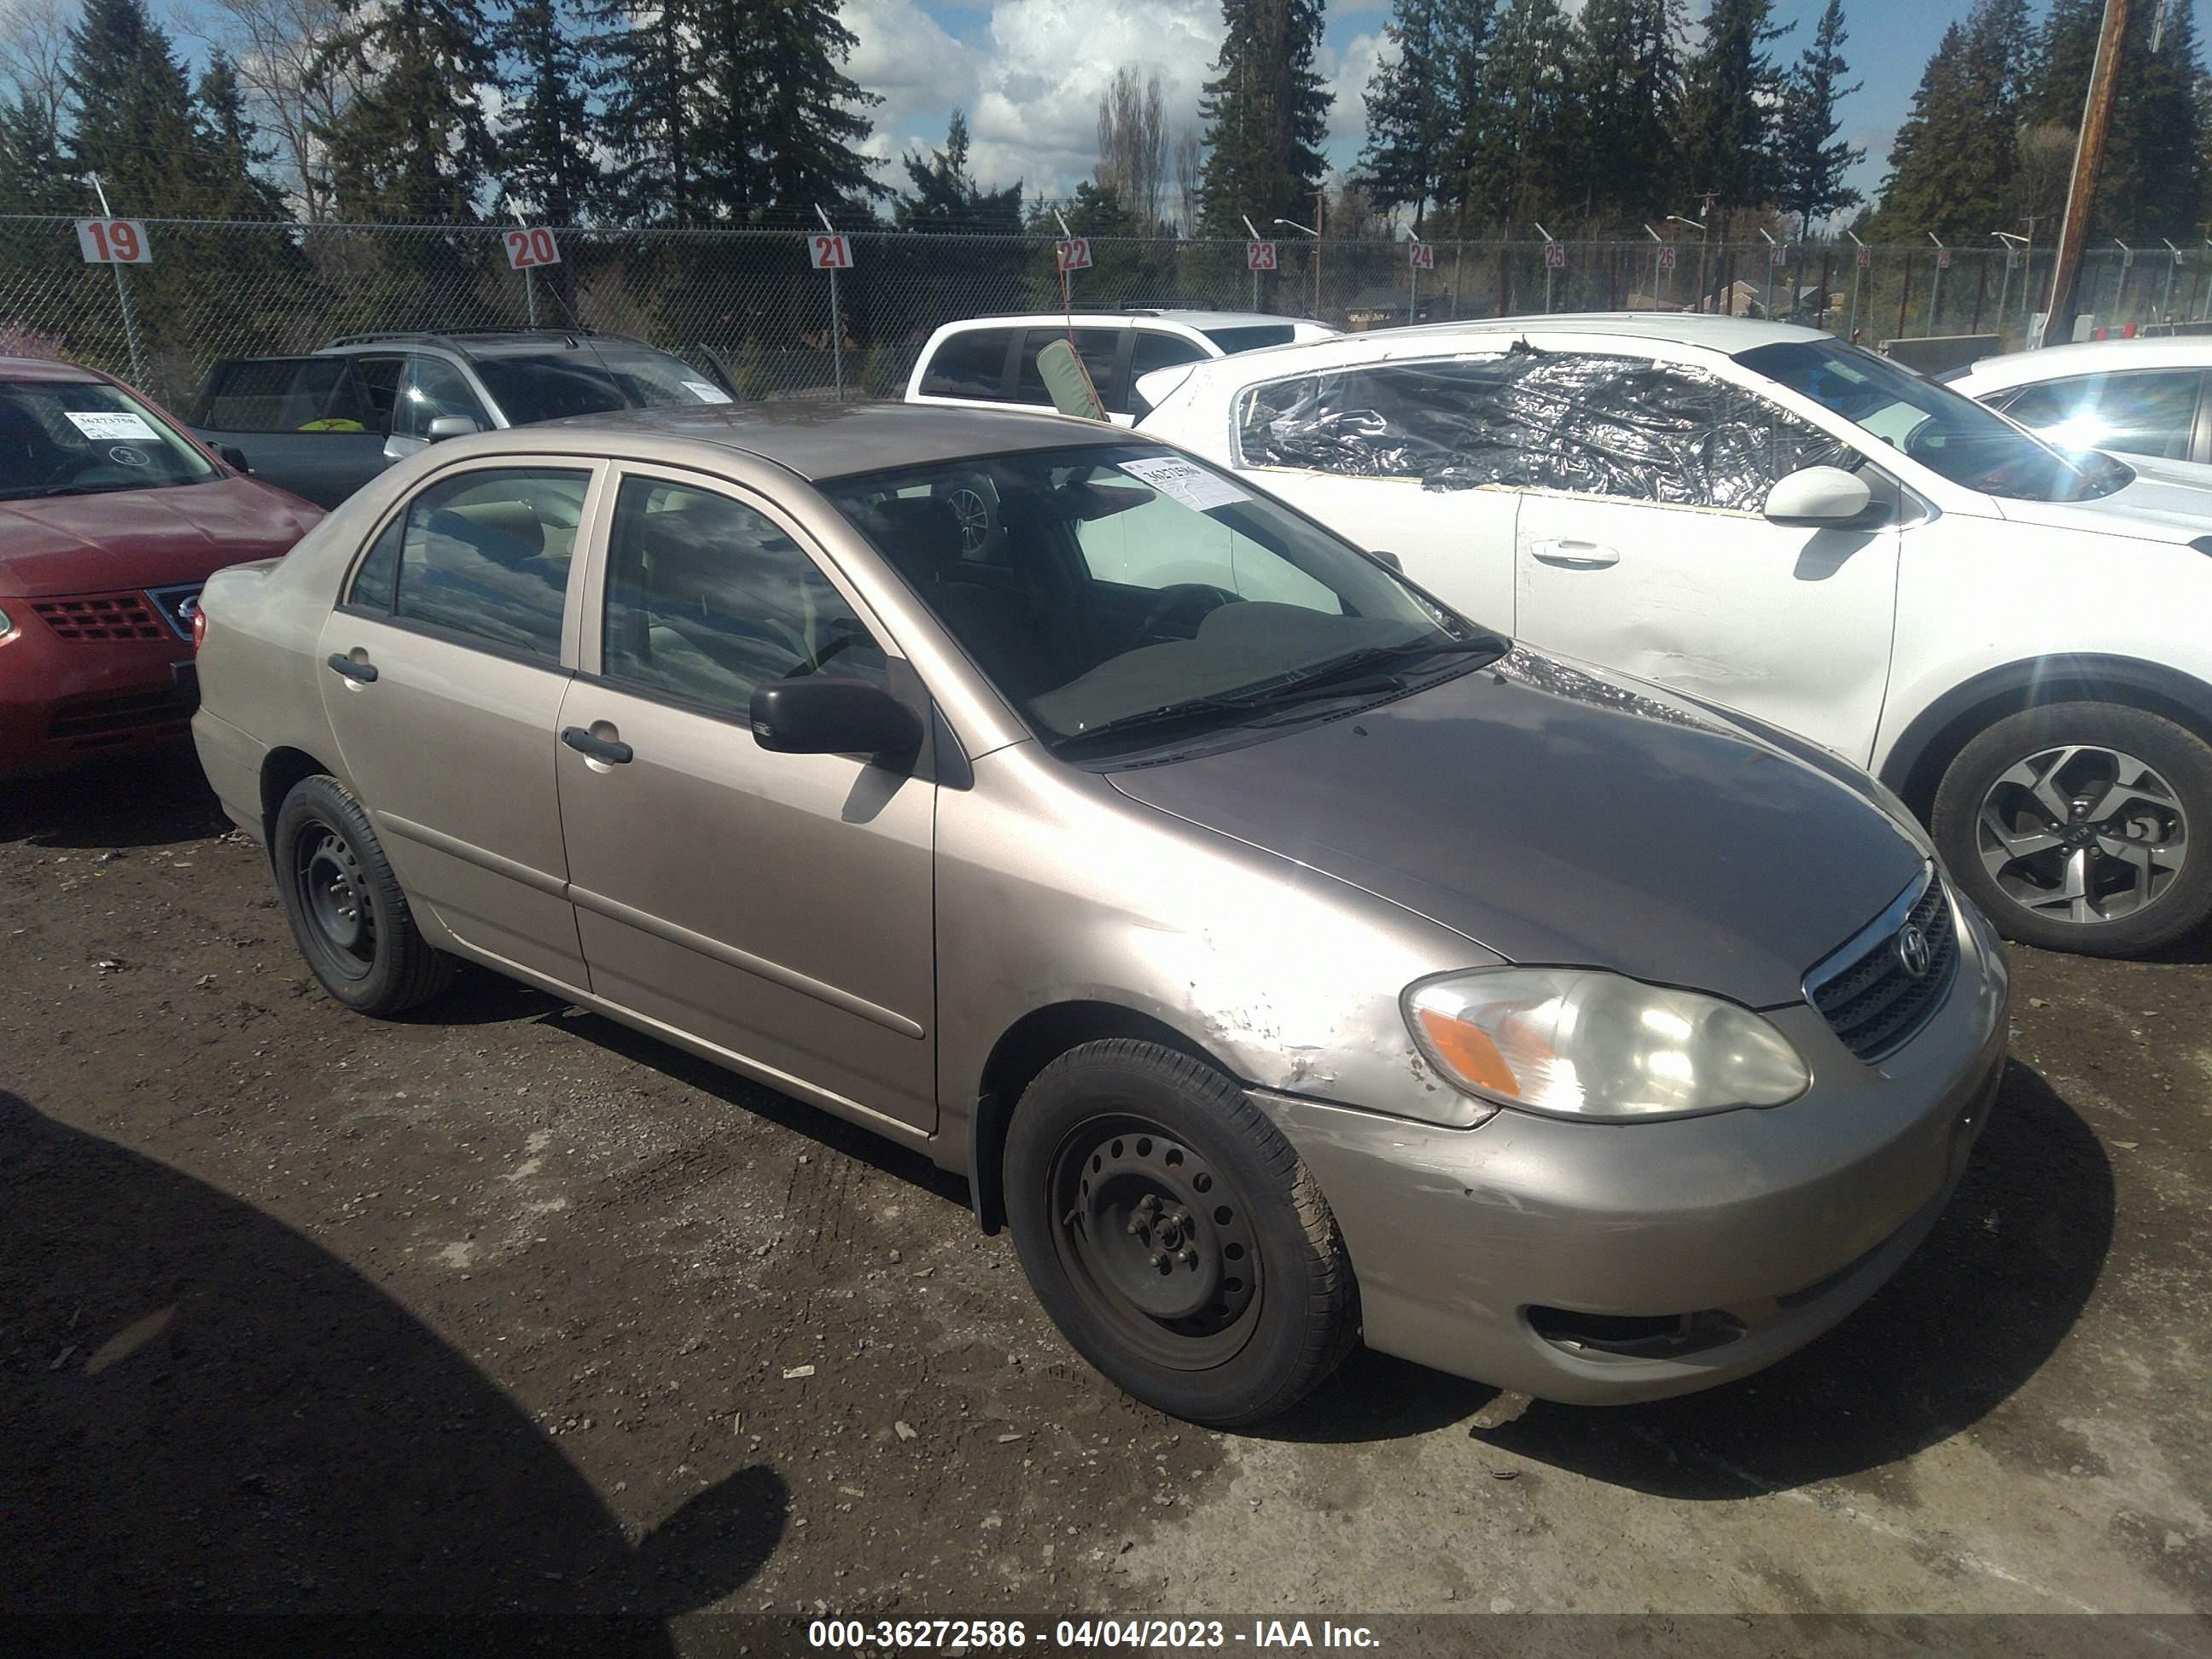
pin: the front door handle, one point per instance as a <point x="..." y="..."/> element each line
<point x="599" y="748"/>
<point x="1576" y="556"/>
<point x="363" y="672"/>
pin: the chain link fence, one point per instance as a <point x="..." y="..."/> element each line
<point x="750" y="300"/>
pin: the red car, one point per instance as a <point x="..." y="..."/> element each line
<point x="111" y="515"/>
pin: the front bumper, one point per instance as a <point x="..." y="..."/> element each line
<point x="66" y="702"/>
<point x="1539" y="1254"/>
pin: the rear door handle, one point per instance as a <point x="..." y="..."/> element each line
<point x="1576" y="556"/>
<point x="363" y="672"/>
<point x="599" y="748"/>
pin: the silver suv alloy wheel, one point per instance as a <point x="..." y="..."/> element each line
<point x="2082" y="834"/>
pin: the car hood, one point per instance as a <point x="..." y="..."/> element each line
<point x="1554" y="816"/>
<point x="144" y="538"/>
<point x="2168" y="502"/>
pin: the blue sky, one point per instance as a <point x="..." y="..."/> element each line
<point x="1029" y="72"/>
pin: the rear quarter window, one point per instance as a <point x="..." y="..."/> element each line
<point x="970" y="364"/>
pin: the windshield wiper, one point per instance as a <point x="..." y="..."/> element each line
<point x="1371" y="656"/>
<point x="1244" y="703"/>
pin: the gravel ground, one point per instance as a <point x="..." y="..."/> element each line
<point x="506" y="1307"/>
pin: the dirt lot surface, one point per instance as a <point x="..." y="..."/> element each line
<point x="506" y="1307"/>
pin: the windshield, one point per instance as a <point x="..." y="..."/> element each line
<point x="1947" y="433"/>
<point x="596" y="378"/>
<point x="1251" y="338"/>
<point x="1123" y="596"/>
<point x="85" y="437"/>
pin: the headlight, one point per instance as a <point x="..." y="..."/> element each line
<point x="1577" y="1042"/>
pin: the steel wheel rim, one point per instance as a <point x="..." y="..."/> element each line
<point x="2082" y="834"/>
<point x="334" y="892"/>
<point x="974" y="514"/>
<point x="1157" y="1243"/>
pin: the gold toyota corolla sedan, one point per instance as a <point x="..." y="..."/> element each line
<point x="1286" y="960"/>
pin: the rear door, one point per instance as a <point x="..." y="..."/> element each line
<point x="430" y="389"/>
<point x="2150" y="411"/>
<point x="442" y="674"/>
<point x="306" y="424"/>
<point x="1397" y="457"/>
<point x="778" y="906"/>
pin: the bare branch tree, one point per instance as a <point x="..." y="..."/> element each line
<point x="278" y="46"/>
<point x="1133" y="143"/>
<point x="1189" y="166"/>
<point x="33" y="43"/>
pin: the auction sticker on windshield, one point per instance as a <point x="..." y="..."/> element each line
<point x="111" y="425"/>
<point x="1193" y="486"/>
<point x="706" y="393"/>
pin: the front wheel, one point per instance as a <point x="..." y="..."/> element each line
<point x="2082" y="826"/>
<point x="1174" y="1235"/>
<point x="348" y="915"/>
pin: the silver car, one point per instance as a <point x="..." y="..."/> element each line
<point x="1286" y="960"/>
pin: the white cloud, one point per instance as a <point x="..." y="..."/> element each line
<point x="1030" y="86"/>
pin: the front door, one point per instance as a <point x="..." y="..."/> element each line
<point x="442" y="673"/>
<point x="1643" y="549"/>
<point x="779" y="907"/>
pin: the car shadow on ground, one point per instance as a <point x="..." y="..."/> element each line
<point x="1973" y="1316"/>
<point x="145" y="799"/>
<point x="205" y="1410"/>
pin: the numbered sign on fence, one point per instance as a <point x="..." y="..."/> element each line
<point x="829" y="252"/>
<point x="1943" y="258"/>
<point x="529" y="246"/>
<point x="1075" y="254"/>
<point x="1555" y="256"/>
<point x="1666" y="258"/>
<point x="1420" y="256"/>
<point x="1866" y="257"/>
<point x="114" y="242"/>
<point x="1780" y="255"/>
<point x="1259" y="256"/>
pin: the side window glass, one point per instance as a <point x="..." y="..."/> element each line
<point x="380" y="384"/>
<point x="1163" y="544"/>
<point x="1096" y="348"/>
<point x="285" y="394"/>
<point x="432" y="387"/>
<point x="707" y="601"/>
<point x="488" y="555"/>
<point x="2146" y="414"/>
<point x="1441" y="422"/>
<point x="1157" y="350"/>
<point x="970" y="364"/>
<point x="374" y="578"/>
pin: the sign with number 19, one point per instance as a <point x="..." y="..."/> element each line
<point x="114" y="242"/>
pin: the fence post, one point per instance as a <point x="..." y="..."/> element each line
<point x="1904" y="294"/>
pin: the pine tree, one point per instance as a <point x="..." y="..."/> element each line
<point x="1731" y="91"/>
<point x="644" y="78"/>
<point x="413" y="145"/>
<point x="1813" y="160"/>
<point x="1953" y="165"/>
<point x="945" y="194"/>
<point x="2154" y="179"/>
<point x="1624" y="85"/>
<point x="1411" y="116"/>
<point x="1516" y="141"/>
<point x="130" y="112"/>
<point x="235" y="187"/>
<point x="545" y="145"/>
<point x="33" y="171"/>
<point x="2065" y="51"/>
<point x="1267" y="114"/>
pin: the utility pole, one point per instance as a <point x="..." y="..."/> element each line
<point x="2082" y="189"/>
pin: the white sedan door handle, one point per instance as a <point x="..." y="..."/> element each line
<point x="1576" y="556"/>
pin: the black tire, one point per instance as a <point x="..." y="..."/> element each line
<point x="349" y="917"/>
<point x="1256" y="1304"/>
<point x="2143" y="871"/>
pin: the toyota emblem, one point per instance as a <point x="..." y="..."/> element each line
<point x="1913" y="954"/>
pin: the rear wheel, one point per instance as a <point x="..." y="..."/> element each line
<point x="1174" y="1235"/>
<point x="2082" y="826"/>
<point x="348" y="915"/>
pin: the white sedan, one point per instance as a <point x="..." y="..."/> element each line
<point x="2011" y="637"/>
<point x="2134" y="397"/>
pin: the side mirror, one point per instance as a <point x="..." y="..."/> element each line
<point x="452" y="426"/>
<point x="234" y="458"/>
<point x="1389" y="562"/>
<point x="1818" y="496"/>
<point x="813" y="715"/>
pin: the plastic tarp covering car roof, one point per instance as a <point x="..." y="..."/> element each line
<point x="1580" y="421"/>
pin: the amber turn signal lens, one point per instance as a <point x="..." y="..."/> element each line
<point x="1469" y="1051"/>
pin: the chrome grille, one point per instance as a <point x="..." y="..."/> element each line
<point x="1865" y="991"/>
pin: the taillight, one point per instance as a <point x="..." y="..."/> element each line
<point x="199" y="628"/>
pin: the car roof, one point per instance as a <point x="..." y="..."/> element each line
<point x="44" y="368"/>
<point x="2087" y="358"/>
<point x="1187" y="318"/>
<point x="486" y="343"/>
<point x="824" y="440"/>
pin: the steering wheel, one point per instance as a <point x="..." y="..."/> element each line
<point x="1184" y="602"/>
<point x="844" y="633"/>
